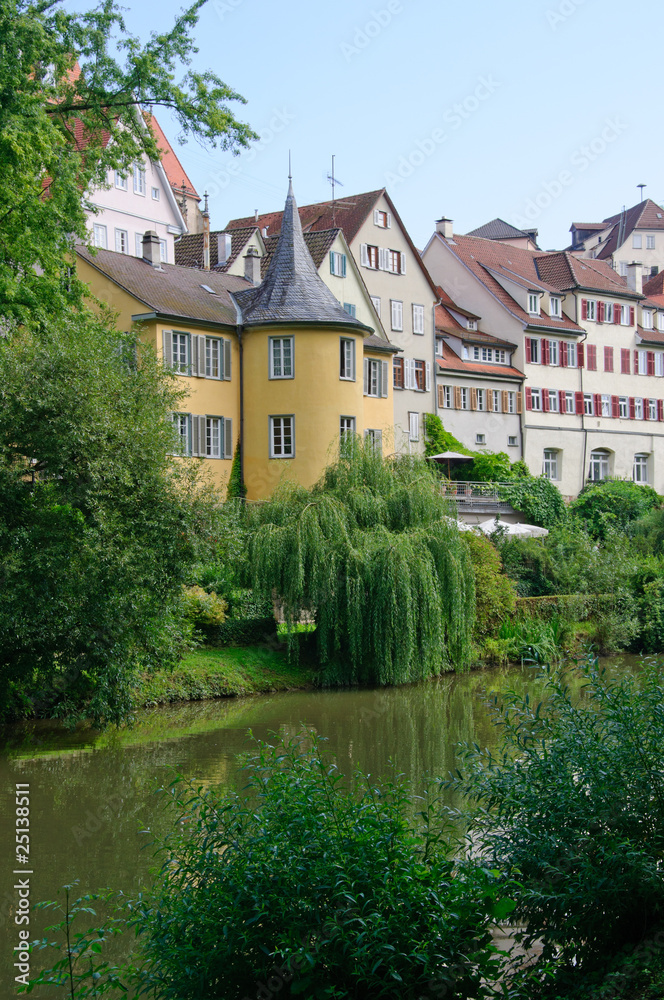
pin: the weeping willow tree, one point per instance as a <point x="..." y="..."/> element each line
<point x="373" y="555"/>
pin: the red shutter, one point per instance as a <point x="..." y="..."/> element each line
<point x="651" y="362"/>
<point x="578" y="402"/>
<point x="660" y="409"/>
<point x="601" y="310"/>
<point x="561" y="400"/>
<point x="624" y="361"/>
<point x="529" y="398"/>
<point x="563" y="353"/>
<point x="646" y="409"/>
<point x="617" y="313"/>
<point x="545" y="400"/>
<point x="592" y="358"/>
<point x="615" y="406"/>
<point x="608" y="359"/>
<point x="579" y="354"/>
<point x="584" y="308"/>
<point x="631" y="315"/>
<point x="636" y="362"/>
<point x="632" y="408"/>
<point x="546" y="352"/>
<point x="598" y="404"/>
<point x="527" y="350"/>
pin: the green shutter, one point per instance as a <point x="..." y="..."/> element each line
<point x="167" y="341"/>
<point x="227" y="430"/>
<point x="227" y="360"/>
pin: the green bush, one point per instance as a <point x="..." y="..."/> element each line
<point x="203" y="608"/>
<point x="613" y="505"/>
<point x="495" y="594"/>
<point x="574" y="803"/>
<point x="537" y="499"/>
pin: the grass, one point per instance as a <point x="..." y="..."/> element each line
<point x="223" y="673"/>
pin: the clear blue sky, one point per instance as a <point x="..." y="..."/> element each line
<point x="540" y="110"/>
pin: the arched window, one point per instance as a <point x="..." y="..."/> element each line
<point x="599" y="465"/>
<point x="640" y="470"/>
<point x="551" y="463"/>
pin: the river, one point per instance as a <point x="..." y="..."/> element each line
<point x="92" y="804"/>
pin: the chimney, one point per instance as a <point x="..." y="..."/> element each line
<point x="635" y="276"/>
<point x="256" y="215"/>
<point x="252" y="266"/>
<point x="206" y="235"/>
<point x="445" y="228"/>
<point x="223" y="247"/>
<point x="152" y="249"/>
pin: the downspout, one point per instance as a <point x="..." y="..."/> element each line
<point x="583" y="416"/>
<point x="239" y="330"/>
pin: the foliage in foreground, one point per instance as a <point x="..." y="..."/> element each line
<point x="613" y="505"/>
<point x="573" y="807"/>
<point x="373" y="555"/>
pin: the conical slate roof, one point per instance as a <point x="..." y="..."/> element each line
<point x="292" y="291"/>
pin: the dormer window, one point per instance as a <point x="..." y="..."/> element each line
<point x="660" y="320"/>
<point x="533" y="303"/>
<point x="471" y="324"/>
<point x="647" y="319"/>
<point x="555" y="306"/>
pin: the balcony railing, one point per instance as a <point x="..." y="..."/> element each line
<point x="468" y="494"/>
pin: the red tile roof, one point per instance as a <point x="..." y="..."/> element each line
<point x="348" y="214"/>
<point x="654" y="289"/>
<point x="451" y="361"/>
<point x="646" y="215"/>
<point x="175" y="172"/>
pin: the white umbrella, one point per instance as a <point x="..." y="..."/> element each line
<point x="450" y="457"/>
<point x="522" y="530"/>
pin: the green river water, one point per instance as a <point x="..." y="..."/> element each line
<point x="92" y="796"/>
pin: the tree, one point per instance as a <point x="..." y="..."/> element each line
<point x="98" y="523"/>
<point x="61" y="131"/>
<point x="613" y="505"/>
<point x="373" y="554"/>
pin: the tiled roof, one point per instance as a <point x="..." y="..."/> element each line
<point x="292" y="291"/>
<point x="654" y="288"/>
<point x="482" y="256"/>
<point x="175" y="172"/>
<point x="569" y="271"/>
<point x="345" y="213"/>
<point x="189" y="248"/>
<point x="451" y="361"/>
<point x="651" y="336"/>
<point x="446" y="323"/>
<point x="318" y="245"/>
<point x="646" y="215"/>
<point x="376" y="343"/>
<point x="498" y="229"/>
<point x="171" y="290"/>
<point x="588" y="225"/>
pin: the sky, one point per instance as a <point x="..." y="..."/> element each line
<point x="540" y="112"/>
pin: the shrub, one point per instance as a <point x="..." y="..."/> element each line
<point x="495" y="594"/>
<point x="574" y="802"/>
<point x="202" y="608"/>
<point x="537" y="499"/>
<point x="613" y="505"/>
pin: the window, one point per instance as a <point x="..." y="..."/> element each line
<point x="282" y="437"/>
<point x="652" y="409"/>
<point x="350" y="309"/>
<point x="203" y="436"/>
<point x="213" y="357"/>
<point x="572" y="354"/>
<point x="396" y="308"/>
<point x="413" y="426"/>
<point x="464" y="398"/>
<point x="369" y="256"/>
<point x="420" y="376"/>
<point x="347" y="359"/>
<point x="659" y="363"/>
<point x="638" y="408"/>
<point x="212" y="444"/>
<point x="120" y="181"/>
<point x="281" y="351"/>
<point x="201" y="356"/>
<point x="511" y="402"/>
<point x="446" y="397"/>
<point x="623" y="406"/>
<point x="181" y="424"/>
<point x="553" y="400"/>
<point x="550" y="463"/>
<point x="338" y="264"/>
<point x="588" y="407"/>
<point x="660" y="320"/>
<point x="374" y="438"/>
<point x="480" y="439"/>
<point x="591" y="310"/>
<point x="512" y="441"/>
<point x="647" y="319"/>
<point x="637" y="241"/>
<point x="642" y="365"/>
<point x="346" y="426"/>
<point x="376" y="303"/>
<point x="555" y="306"/>
<point x="625" y="317"/>
<point x="139" y="179"/>
<point x="535" y="352"/>
<point x="471" y="324"/>
<point x="606" y="405"/>
<point x="640" y="469"/>
<point x="138" y="244"/>
<point x="398" y="373"/>
<point x="481" y="399"/>
<point x="553" y="353"/>
<point x="495" y="400"/>
<point x="608" y="359"/>
<point x="121" y="241"/>
<point x="533" y="304"/>
<point x="650" y="241"/>
<point x="569" y="402"/>
<point x="599" y="466"/>
<point x="163" y="251"/>
<point x="418" y="319"/>
<point x="535" y="399"/>
<point x="181" y="353"/>
<point x="99" y="236"/>
<point x="608" y="312"/>
<point x="382" y="219"/>
<point x="375" y="377"/>
<point x="395" y="262"/>
<point x="439" y="347"/>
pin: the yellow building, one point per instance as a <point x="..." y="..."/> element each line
<point x="276" y="365"/>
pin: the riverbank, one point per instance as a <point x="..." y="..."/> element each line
<point x="231" y="671"/>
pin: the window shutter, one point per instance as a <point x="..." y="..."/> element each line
<point x="519" y="402"/>
<point x="343" y="265"/>
<point x="528" y="351"/>
<point x="615" y="406"/>
<point x="193" y="353"/>
<point x="646" y="409"/>
<point x="332" y="271"/>
<point x="381" y="259"/>
<point x="597" y="398"/>
<point x="601" y="310"/>
<point x="632" y="408"/>
<point x="384" y="369"/>
<point x="561" y="400"/>
<point x="624" y="361"/>
<point x="636" y="362"/>
<point x="579" y="355"/>
<point x="473" y="399"/>
<point x="660" y="409"/>
<point x="546" y="352"/>
<point x="651" y="362"/>
<point x="441" y="397"/>
<point x="608" y="359"/>
<point x="631" y="315"/>
<point x="376" y="217"/>
<point x="366" y="376"/>
<point x="167" y="340"/>
<point x="584" y="308"/>
<point x="529" y="398"/>
<point x="364" y="255"/>
<point x="546" y="406"/>
<point x="504" y="401"/>
<point x="227" y="360"/>
<point x="228" y="437"/>
<point x="389" y="221"/>
<point x="617" y="314"/>
<point x="352" y="360"/>
<point x="578" y="403"/>
<point x="427" y="376"/>
<point x="195" y="435"/>
<point x="457" y="397"/>
<point x="201" y="357"/>
<point x="403" y="264"/>
<point x="563" y="353"/>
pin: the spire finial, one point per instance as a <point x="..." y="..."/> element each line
<point x="290" y="172"/>
<point x="205" y="207"/>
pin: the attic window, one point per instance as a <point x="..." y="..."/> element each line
<point x="472" y="324"/>
<point x="533" y="303"/>
<point x="208" y="289"/>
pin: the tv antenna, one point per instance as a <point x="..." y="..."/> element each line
<point x="333" y="181"/>
<point x="641" y="187"/>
